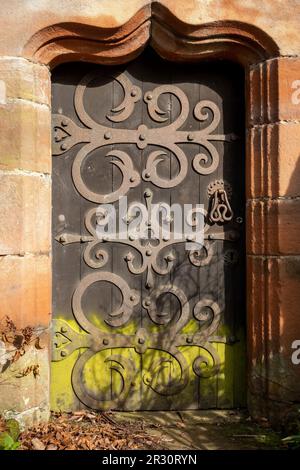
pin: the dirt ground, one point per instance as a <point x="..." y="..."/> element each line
<point x="211" y="430"/>
<point x="206" y="430"/>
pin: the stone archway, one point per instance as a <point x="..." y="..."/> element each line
<point x="177" y="33"/>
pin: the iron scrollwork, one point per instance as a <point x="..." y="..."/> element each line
<point x="94" y="340"/>
<point x="206" y="312"/>
<point x="95" y="135"/>
<point x="152" y="262"/>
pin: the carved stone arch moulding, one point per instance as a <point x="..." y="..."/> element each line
<point x="264" y="38"/>
<point x="172" y="38"/>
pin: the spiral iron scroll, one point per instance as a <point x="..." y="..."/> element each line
<point x="94" y="340"/>
<point x="92" y="135"/>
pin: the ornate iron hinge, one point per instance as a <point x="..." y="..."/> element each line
<point x="220" y="193"/>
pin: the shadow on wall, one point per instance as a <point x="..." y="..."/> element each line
<point x="274" y="376"/>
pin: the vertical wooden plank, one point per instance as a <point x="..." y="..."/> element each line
<point x="224" y="377"/>
<point x="209" y="282"/>
<point x="156" y="74"/>
<point x="236" y="313"/>
<point x="184" y="275"/>
<point x="232" y="269"/>
<point x="119" y="266"/>
<point x="97" y="173"/>
<point x="65" y="259"/>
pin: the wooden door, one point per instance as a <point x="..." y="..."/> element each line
<point x="142" y="322"/>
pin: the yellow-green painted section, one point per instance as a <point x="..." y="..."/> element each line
<point x="226" y="389"/>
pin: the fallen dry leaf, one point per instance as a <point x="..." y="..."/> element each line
<point x="180" y="425"/>
<point x="51" y="447"/>
<point x="87" y="430"/>
<point x="37" y="444"/>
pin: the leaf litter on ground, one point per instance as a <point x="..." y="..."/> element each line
<point x="86" y="430"/>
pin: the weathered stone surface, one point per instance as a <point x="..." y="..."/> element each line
<point x="273" y="164"/>
<point x="275" y="91"/>
<point x="288" y="70"/>
<point x="23" y="396"/>
<point x="273" y="227"/>
<point x="273" y="325"/>
<point x="25" y="136"/>
<point x="25" y="207"/>
<point x="25" y="289"/>
<point x="26" y="80"/>
<point x="52" y="31"/>
<point x="112" y="19"/>
<point x="22" y="20"/>
<point x="281" y="24"/>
